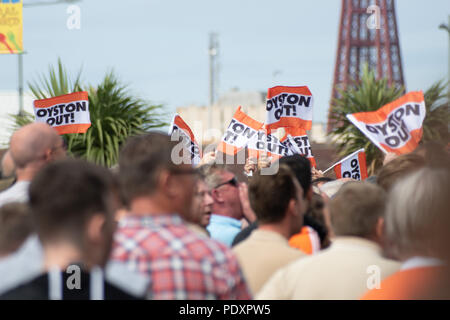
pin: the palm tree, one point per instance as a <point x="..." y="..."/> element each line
<point x="57" y="83"/>
<point x="371" y="94"/>
<point x="115" y="114"/>
<point x="435" y="125"/>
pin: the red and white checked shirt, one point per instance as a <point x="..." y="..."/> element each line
<point x="180" y="264"/>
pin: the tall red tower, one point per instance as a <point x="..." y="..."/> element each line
<point x="367" y="34"/>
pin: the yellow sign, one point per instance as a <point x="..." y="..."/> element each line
<point x="11" y="26"/>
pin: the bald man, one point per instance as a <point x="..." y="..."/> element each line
<point x="31" y="148"/>
<point x="7" y="172"/>
<point x="8" y="166"/>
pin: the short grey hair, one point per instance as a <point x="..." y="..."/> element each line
<point x="417" y="218"/>
<point x="356" y="209"/>
<point x="212" y="173"/>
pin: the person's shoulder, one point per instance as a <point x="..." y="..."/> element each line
<point x="6" y="195"/>
<point x="412" y="284"/>
<point x="204" y="240"/>
<point x="244" y="233"/>
<point x="131" y="281"/>
<point x="112" y="292"/>
<point x="18" y="192"/>
<point x="213" y="249"/>
<point x="130" y="227"/>
<point x="35" y="289"/>
<point x="242" y="246"/>
<point x="391" y="288"/>
<point x="302" y="262"/>
<point x="293" y="253"/>
<point x="197" y="229"/>
<point x="389" y="265"/>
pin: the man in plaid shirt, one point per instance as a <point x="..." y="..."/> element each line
<point x="154" y="239"/>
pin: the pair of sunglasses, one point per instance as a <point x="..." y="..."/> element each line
<point x="234" y="182"/>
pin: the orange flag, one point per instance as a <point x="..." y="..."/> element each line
<point x="352" y="166"/>
<point x="397" y="126"/>
<point x="289" y="107"/>
<point x="68" y="113"/>
<point x="241" y="129"/>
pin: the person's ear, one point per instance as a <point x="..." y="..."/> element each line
<point x="47" y="155"/>
<point x="216" y="195"/>
<point x="379" y="229"/>
<point x="292" y="208"/>
<point x="164" y="182"/>
<point x="309" y="194"/>
<point x="95" y="229"/>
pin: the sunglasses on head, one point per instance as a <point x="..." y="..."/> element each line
<point x="232" y="181"/>
<point x="184" y="171"/>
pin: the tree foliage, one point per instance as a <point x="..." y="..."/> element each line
<point x="371" y="94"/>
<point x="115" y="114"/>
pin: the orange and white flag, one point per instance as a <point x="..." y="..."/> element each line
<point x="264" y="143"/>
<point x="352" y="166"/>
<point x="289" y="107"/>
<point x="242" y="128"/>
<point x="297" y="140"/>
<point x="179" y="129"/>
<point x="68" y="113"/>
<point x="397" y="126"/>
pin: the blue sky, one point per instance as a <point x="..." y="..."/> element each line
<point x="159" y="47"/>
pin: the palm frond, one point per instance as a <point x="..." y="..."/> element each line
<point x="371" y="94"/>
<point x="115" y="115"/>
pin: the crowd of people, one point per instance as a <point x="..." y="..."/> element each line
<point x="153" y="228"/>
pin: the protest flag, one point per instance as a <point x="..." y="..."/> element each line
<point x="240" y="130"/>
<point x="352" y="166"/>
<point x="178" y="126"/>
<point x="297" y="140"/>
<point x="269" y="144"/>
<point x="397" y="126"/>
<point x="289" y="107"/>
<point x="68" y="113"/>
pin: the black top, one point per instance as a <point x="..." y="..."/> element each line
<point x="245" y="233"/>
<point x="38" y="289"/>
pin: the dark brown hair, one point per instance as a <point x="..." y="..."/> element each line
<point x="141" y="159"/>
<point x="66" y="194"/>
<point x="270" y="194"/>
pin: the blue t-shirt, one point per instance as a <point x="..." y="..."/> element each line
<point x="223" y="229"/>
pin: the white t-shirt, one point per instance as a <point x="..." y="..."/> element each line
<point x="18" y="192"/>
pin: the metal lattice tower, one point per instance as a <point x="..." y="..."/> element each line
<point x="360" y="41"/>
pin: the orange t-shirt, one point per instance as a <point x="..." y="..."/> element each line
<point x="306" y="240"/>
<point x="412" y="284"/>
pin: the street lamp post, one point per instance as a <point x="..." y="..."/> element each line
<point x="447" y="28"/>
<point x="20" y="61"/>
<point x="20" y="54"/>
<point x="212" y="52"/>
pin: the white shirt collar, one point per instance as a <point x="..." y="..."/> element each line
<point x="420" y="262"/>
